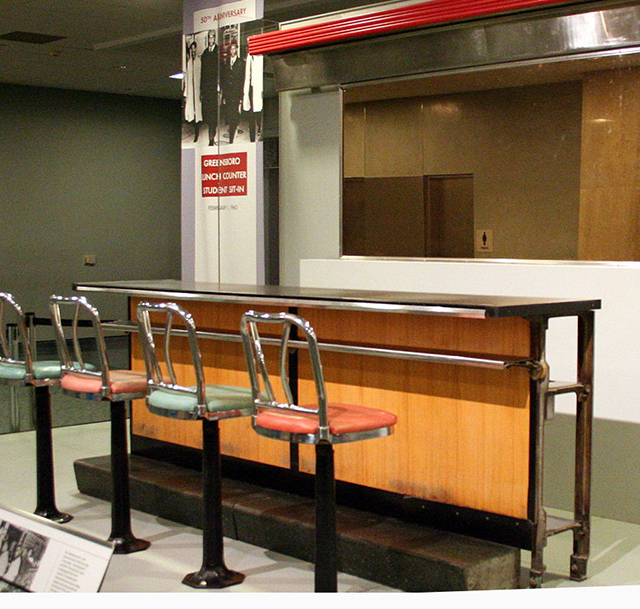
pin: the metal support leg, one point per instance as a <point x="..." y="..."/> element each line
<point x="326" y="547"/>
<point x="13" y="408"/>
<point x="584" y="422"/>
<point x="121" y="534"/>
<point x="46" y="500"/>
<point x="213" y="573"/>
<point x="12" y="344"/>
<point x="539" y="385"/>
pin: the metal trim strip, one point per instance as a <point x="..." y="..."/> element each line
<point x="291" y="301"/>
<point x="435" y="358"/>
<point x="591" y="30"/>
<point x="388" y="21"/>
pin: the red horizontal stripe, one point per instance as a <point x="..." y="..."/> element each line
<point x="374" y="24"/>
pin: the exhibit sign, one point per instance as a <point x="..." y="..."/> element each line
<point x="222" y="154"/>
<point x="37" y="555"/>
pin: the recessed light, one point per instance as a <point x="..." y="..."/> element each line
<point x="30" y="37"/>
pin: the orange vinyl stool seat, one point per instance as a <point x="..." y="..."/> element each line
<point x="322" y="424"/>
<point x="98" y="382"/>
<point x="342" y="419"/>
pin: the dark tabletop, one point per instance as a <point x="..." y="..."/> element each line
<point x="402" y="302"/>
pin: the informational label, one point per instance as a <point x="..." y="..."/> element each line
<point x="224" y="175"/>
<point x="39" y="556"/>
<point x="222" y="144"/>
<point x="226" y="14"/>
<point x="484" y="240"/>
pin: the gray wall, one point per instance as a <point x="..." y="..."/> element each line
<point x="86" y="173"/>
<point x="615" y="487"/>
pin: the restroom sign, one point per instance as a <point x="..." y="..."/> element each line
<point x="224" y="175"/>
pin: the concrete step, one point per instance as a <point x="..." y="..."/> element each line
<point x="401" y="555"/>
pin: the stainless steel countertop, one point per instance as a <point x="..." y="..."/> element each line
<point x="362" y="300"/>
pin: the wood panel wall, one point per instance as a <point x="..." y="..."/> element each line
<point x="463" y="433"/>
<point x="610" y="172"/>
<point x="521" y="145"/>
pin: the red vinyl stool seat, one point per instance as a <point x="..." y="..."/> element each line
<point x="322" y="424"/>
<point x="98" y="382"/>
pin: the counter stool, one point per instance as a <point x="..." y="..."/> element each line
<point x="99" y="383"/>
<point x="323" y="424"/>
<point x="39" y="375"/>
<point x="208" y="403"/>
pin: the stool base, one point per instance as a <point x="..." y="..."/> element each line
<point x="45" y="487"/>
<point x="220" y="577"/>
<point x="129" y="545"/>
<point x="54" y="515"/>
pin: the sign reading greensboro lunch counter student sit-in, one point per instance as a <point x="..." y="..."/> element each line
<point x="222" y="192"/>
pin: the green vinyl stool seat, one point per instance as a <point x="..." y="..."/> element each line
<point x="99" y="382"/>
<point x="218" y="399"/>
<point x="207" y="403"/>
<point x="20" y="372"/>
<point x="40" y="375"/>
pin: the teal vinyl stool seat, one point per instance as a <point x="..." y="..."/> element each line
<point x="207" y="403"/>
<point x="19" y="373"/>
<point x="98" y="382"/>
<point x="41" y="375"/>
<point x="321" y="423"/>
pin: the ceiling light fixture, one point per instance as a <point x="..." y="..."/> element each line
<point x="30" y="37"/>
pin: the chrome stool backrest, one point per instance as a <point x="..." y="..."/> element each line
<point x="11" y="313"/>
<point x="256" y="362"/>
<point x="166" y="397"/>
<point x="40" y="375"/>
<point x="155" y="377"/>
<point x="81" y="380"/>
<point x="81" y="309"/>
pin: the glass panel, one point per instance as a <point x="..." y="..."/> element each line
<point x="553" y="149"/>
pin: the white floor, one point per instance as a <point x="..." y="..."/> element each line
<point x="176" y="549"/>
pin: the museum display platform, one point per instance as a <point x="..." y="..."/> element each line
<point x="409" y="557"/>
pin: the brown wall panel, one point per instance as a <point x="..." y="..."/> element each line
<point x="391" y="145"/>
<point x="353" y="140"/>
<point x="610" y="174"/>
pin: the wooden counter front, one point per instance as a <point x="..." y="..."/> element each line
<point x="463" y="433"/>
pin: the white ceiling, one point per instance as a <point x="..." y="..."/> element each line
<point x="115" y="46"/>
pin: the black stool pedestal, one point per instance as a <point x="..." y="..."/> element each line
<point x="121" y="533"/>
<point x="46" y="501"/>
<point x="326" y="550"/>
<point x="213" y="573"/>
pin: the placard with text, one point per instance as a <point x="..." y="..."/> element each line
<point x="39" y="556"/>
<point x="222" y="190"/>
